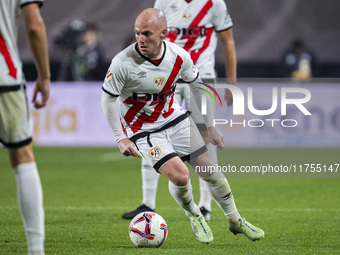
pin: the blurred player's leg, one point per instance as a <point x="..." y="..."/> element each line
<point x="149" y="185"/>
<point x="29" y="194"/>
<point x="205" y="198"/>
<point x="14" y="109"/>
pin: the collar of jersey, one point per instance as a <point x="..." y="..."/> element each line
<point x="148" y="59"/>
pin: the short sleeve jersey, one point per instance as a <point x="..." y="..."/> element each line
<point x="192" y="24"/>
<point x="146" y="89"/>
<point x="11" y="73"/>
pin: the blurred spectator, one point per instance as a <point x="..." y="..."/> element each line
<point x="82" y="59"/>
<point x="298" y="62"/>
<point x="68" y="41"/>
<point x="89" y="57"/>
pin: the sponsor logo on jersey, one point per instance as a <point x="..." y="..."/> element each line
<point x="159" y="82"/>
<point x="155" y="152"/>
<point x="155" y="97"/>
<point x="187" y="16"/>
<point x="141" y="74"/>
<point x="190" y="31"/>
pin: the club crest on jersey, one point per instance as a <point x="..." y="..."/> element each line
<point x="159" y="82"/>
<point x="155" y="152"/>
<point x="187" y="16"/>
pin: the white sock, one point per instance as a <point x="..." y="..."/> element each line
<point x="30" y="200"/>
<point x="149" y="184"/>
<point x="185" y="199"/>
<point x="205" y="198"/>
<point x="221" y="192"/>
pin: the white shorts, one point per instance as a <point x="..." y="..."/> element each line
<point x="16" y="128"/>
<point x="182" y="140"/>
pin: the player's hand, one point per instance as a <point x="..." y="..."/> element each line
<point x="216" y="137"/>
<point x="42" y="87"/>
<point x="128" y="148"/>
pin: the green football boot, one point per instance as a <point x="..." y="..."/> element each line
<point x="201" y="229"/>
<point x="248" y="229"/>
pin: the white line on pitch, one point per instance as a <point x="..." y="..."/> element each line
<point x="112" y="156"/>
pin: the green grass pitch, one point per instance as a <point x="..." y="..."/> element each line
<point x="87" y="189"/>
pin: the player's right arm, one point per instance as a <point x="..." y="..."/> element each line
<point x="36" y="35"/>
<point x="126" y="147"/>
<point x="114" y="82"/>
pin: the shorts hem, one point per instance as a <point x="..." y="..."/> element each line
<point x="17" y="144"/>
<point x="163" y="160"/>
<point x="195" y="154"/>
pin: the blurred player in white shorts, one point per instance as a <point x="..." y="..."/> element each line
<point x="194" y="26"/>
<point x="142" y="80"/>
<point x="14" y="109"/>
<point x="15" y="119"/>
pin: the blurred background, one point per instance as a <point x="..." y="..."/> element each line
<point x="264" y="32"/>
<point x="297" y="40"/>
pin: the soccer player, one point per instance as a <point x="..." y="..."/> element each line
<point x="142" y="79"/>
<point x="15" y="121"/>
<point x="194" y="26"/>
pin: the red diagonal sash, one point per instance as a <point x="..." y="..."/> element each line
<point x="4" y="51"/>
<point x="137" y="106"/>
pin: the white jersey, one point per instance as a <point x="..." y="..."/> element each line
<point x="192" y="24"/>
<point x="146" y="89"/>
<point x="11" y="75"/>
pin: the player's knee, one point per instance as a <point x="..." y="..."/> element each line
<point x="21" y="155"/>
<point x="181" y="179"/>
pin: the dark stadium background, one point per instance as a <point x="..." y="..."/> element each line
<point x="263" y="30"/>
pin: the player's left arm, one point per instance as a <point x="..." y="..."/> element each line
<point x="37" y="39"/>
<point x="229" y="53"/>
<point x="224" y="28"/>
<point x="214" y="134"/>
<point x="190" y="74"/>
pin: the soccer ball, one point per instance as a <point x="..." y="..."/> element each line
<point x="148" y="229"/>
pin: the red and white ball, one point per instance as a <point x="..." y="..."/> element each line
<point x="148" y="229"/>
